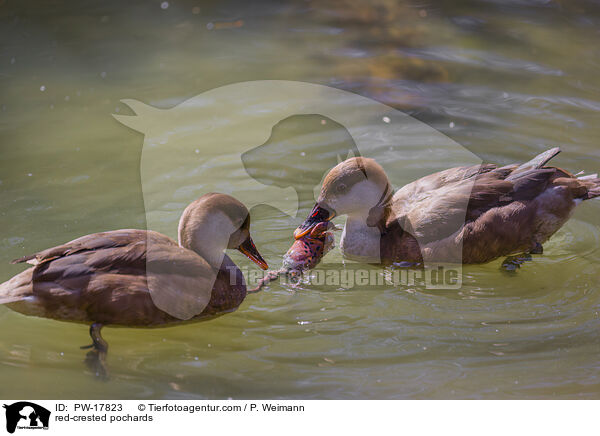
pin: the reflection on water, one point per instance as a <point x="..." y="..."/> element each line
<point x="506" y="80"/>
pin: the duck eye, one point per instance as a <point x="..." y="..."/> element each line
<point x="341" y="188"/>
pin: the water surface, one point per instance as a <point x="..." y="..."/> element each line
<point x="505" y="80"/>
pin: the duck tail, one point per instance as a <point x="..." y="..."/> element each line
<point x="7" y="300"/>
<point x="18" y="288"/>
<point x="592" y="183"/>
<point x="595" y="191"/>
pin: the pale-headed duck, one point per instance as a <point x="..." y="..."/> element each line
<point x="121" y="277"/>
<point x="471" y="214"/>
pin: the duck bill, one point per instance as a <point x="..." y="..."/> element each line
<point x="319" y="214"/>
<point x="249" y="250"/>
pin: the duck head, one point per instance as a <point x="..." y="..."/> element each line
<point x="357" y="187"/>
<point x="215" y="222"/>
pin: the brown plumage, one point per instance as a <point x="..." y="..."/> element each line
<point x="141" y="278"/>
<point x="468" y="214"/>
<point x="104" y="278"/>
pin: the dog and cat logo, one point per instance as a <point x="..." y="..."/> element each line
<point x="26" y="415"/>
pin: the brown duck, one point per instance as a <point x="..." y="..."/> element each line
<point x="140" y="278"/>
<point x="471" y="214"/>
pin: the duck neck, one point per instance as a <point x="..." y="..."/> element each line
<point x="360" y="241"/>
<point x="212" y="252"/>
<point x="207" y="238"/>
<point x="362" y="235"/>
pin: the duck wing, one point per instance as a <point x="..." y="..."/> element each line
<point x="536" y="163"/>
<point x="122" y="275"/>
<point x="93" y="242"/>
<point x="438" y="205"/>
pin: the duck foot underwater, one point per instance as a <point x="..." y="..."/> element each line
<point x="95" y="359"/>
<point x="512" y="263"/>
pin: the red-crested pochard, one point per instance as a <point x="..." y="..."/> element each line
<point x="139" y="278"/>
<point x="471" y="214"/>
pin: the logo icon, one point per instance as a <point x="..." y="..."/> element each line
<point x="26" y="415"/>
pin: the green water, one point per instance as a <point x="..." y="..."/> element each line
<point x="505" y="81"/>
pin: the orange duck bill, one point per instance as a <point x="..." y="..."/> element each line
<point x="249" y="250"/>
<point x="319" y="214"/>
